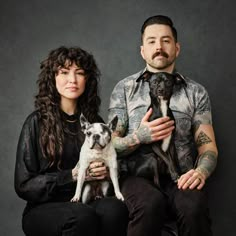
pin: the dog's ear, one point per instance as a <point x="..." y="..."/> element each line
<point x="112" y="124"/>
<point x="83" y="122"/>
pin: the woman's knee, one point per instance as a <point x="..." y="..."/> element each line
<point x="79" y="220"/>
<point x="60" y="219"/>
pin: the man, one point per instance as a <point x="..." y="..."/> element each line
<point x="194" y="140"/>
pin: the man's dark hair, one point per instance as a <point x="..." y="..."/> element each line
<point x="161" y="20"/>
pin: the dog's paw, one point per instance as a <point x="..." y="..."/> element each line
<point x="75" y="199"/>
<point x="119" y="196"/>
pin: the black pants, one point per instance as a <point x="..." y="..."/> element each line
<point x="148" y="208"/>
<point x="104" y="217"/>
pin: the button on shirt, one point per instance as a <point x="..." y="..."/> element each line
<point x="189" y="103"/>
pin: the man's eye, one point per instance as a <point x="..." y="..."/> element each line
<point x="89" y="133"/>
<point x="166" y="41"/>
<point x="151" y="42"/>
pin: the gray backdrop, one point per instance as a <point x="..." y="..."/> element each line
<point x="111" y="31"/>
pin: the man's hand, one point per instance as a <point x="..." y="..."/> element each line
<point x="152" y="131"/>
<point x="192" y="179"/>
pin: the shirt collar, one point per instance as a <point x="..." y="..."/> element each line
<point x="145" y="74"/>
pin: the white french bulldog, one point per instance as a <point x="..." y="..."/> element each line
<point x="97" y="146"/>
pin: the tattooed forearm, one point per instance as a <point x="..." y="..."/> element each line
<point x="143" y="134"/>
<point x="202" y="139"/>
<point x="126" y="145"/>
<point x="206" y="163"/>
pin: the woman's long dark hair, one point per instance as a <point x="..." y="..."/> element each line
<point x="48" y="99"/>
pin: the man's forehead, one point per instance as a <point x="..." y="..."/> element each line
<point x="158" y="30"/>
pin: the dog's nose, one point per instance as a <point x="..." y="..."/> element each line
<point x="96" y="137"/>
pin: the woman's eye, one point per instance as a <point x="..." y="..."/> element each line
<point x="89" y="133"/>
<point x="80" y="73"/>
<point x="63" y="72"/>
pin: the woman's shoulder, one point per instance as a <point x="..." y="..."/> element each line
<point x="32" y="119"/>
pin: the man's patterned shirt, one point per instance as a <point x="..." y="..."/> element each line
<point x="189" y="103"/>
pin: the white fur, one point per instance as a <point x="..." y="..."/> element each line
<point x="87" y="155"/>
<point x="166" y="142"/>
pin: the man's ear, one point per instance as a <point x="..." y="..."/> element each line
<point x="83" y="122"/>
<point x="113" y="123"/>
<point x="177" y="45"/>
<point x="142" y="52"/>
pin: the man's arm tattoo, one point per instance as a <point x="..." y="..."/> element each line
<point x="206" y="163"/>
<point x="143" y="134"/>
<point x="125" y="145"/>
<point x="202" y="139"/>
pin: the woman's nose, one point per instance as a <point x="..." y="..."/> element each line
<point x="72" y="77"/>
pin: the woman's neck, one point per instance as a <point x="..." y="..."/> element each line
<point x="69" y="107"/>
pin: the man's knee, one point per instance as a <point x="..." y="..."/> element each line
<point x="142" y="198"/>
<point x="192" y="204"/>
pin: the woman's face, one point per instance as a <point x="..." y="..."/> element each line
<point x="70" y="83"/>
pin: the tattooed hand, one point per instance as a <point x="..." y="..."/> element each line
<point x="155" y="130"/>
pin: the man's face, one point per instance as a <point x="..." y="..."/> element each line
<point x="159" y="48"/>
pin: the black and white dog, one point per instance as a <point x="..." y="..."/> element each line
<point x="97" y="146"/>
<point x="150" y="159"/>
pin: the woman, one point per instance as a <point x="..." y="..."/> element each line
<point x="49" y="147"/>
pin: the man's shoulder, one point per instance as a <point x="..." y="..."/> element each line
<point x="193" y="85"/>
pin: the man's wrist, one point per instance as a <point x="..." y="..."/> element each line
<point x="143" y="134"/>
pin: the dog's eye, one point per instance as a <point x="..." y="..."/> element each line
<point x="168" y="82"/>
<point x="155" y="82"/>
<point x="89" y="133"/>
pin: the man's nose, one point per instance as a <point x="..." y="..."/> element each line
<point x="158" y="45"/>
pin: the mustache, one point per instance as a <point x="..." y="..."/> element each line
<point x="160" y="53"/>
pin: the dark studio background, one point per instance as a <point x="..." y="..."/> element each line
<point x="110" y="30"/>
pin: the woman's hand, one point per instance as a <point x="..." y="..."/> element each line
<point x="96" y="171"/>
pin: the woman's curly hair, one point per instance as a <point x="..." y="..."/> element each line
<point x="48" y="99"/>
